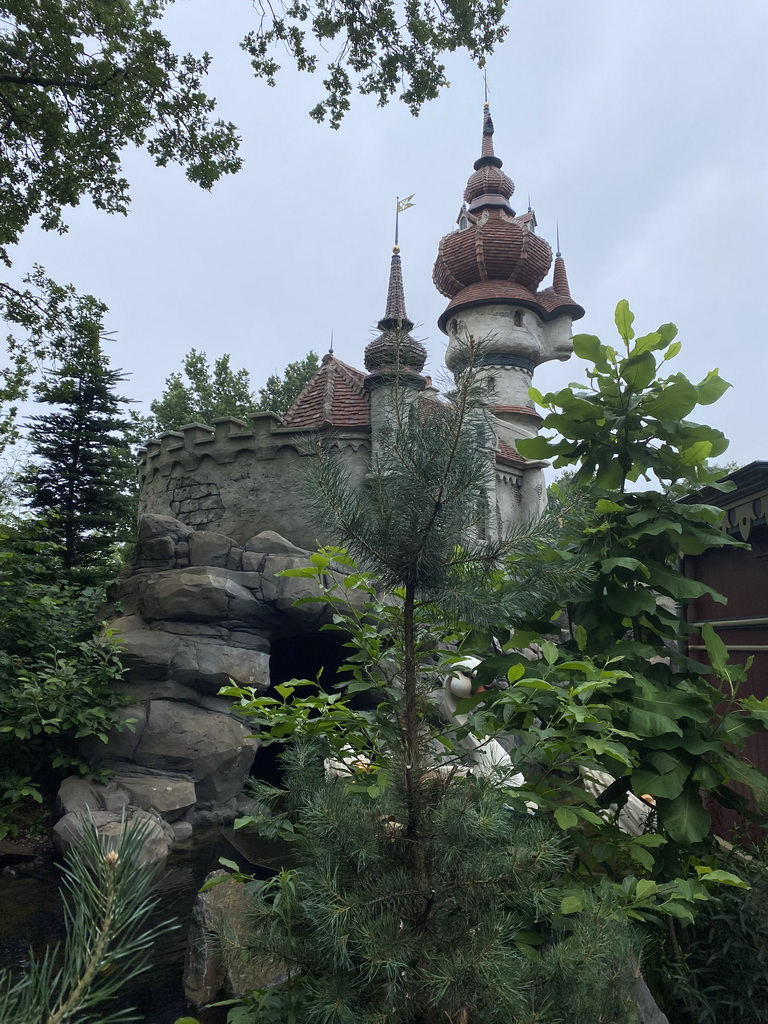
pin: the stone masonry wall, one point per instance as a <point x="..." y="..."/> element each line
<point x="234" y="478"/>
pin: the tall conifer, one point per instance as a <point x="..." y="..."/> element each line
<point x="80" y="477"/>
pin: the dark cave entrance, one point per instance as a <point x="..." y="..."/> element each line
<point x="302" y="656"/>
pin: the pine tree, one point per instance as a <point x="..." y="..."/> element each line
<point x="81" y="476"/>
<point x="420" y="896"/>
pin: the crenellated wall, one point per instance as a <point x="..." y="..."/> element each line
<point x="238" y="478"/>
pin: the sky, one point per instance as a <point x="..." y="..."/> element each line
<point x="639" y="127"/>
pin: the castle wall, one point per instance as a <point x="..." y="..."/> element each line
<point x="237" y="481"/>
<point x="520" y="495"/>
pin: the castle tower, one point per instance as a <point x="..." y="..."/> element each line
<point x="394" y="361"/>
<point x="491" y="269"/>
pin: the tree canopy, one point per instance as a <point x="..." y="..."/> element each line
<point x="202" y="393"/>
<point x="80" y="82"/>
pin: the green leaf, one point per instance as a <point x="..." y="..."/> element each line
<point x="670" y="785"/>
<point x="673" y="349"/>
<point x="571" y="905"/>
<point x="711" y="388"/>
<point x="587" y="346"/>
<point x="722" y="877"/>
<point x="645" y="887"/>
<point x="642" y="857"/>
<point x="229" y="864"/>
<point x="537" y="447"/>
<point x="638" y="371"/>
<point x="565" y="818"/>
<point x="604" y="506"/>
<point x="624" y="318"/>
<point x="675" y="402"/>
<point x="668" y="332"/>
<point x="550" y="652"/>
<point x="629" y="602"/>
<point x="696" y="454"/>
<point x="717" y="652"/>
<point x="609" y="564"/>
<point x="648" y="343"/>
<point x="650" y="723"/>
<point x="515" y="673"/>
<point x="684" y="818"/>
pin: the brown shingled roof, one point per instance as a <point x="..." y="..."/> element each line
<point x="506" y="453"/>
<point x="334" y="397"/>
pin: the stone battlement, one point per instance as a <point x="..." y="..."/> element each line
<point x="237" y="477"/>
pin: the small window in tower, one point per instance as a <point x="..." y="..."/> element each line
<point x="518" y="318"/>
<point x="463" y="224"/>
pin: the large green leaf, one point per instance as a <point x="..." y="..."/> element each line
<point x="717" y="652"/>
<point x="681" y="587"/>
<point x="650" y="723"/>
<point x="669" y="785"/>
<point x="587" y="346"/>
<point x="648" y="343"/>
<point x="609" y="564"/>
<point x="712" y="388"/>
<point x="696" y="453"/>
<point x="638" y="371"/>
<point x="684" y="818"/>
<point x="629" y="602"/>
<point x="675" y="402"/>
<point x="539" y="447"/>
<point x="624" y="318"/>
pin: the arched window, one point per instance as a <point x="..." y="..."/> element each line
<point x="518" y="318"/>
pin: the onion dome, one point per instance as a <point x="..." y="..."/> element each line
<point x="495" y="256"/>
<point x="394" y="348"/>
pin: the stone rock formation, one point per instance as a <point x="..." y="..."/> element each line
<point x="198" y="611"/>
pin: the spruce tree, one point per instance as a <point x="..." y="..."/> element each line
<point x="80" y="478"/>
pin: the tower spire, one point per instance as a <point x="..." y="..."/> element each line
<point x="559" y="276"/>
<point x="395" y="315"/>
<point x="487" y="157"/>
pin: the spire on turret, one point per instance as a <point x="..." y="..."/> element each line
<point x="487" y="157"/>
<point x="394" y="348"/>
<point x="488" y="186"/>
<point x="559" y="277"/>
<point x="395" y="315"/>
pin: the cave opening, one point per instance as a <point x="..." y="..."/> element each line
<point x="318" y="656"/>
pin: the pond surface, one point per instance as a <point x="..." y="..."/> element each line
<point x="31" y="916"/>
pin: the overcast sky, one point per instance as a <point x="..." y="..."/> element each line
<point x="639" y="126"/>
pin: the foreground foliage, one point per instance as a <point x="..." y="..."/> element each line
<point x="57" y="667"/>
<point x="107" y="901"/>
<point x="486" y="941"/>
<point x="630" y="425"/>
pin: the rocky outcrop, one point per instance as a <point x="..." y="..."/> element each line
<point x="85" y="804"/>
<point x="221" y="926"/>
<point x="198" y="612"/>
